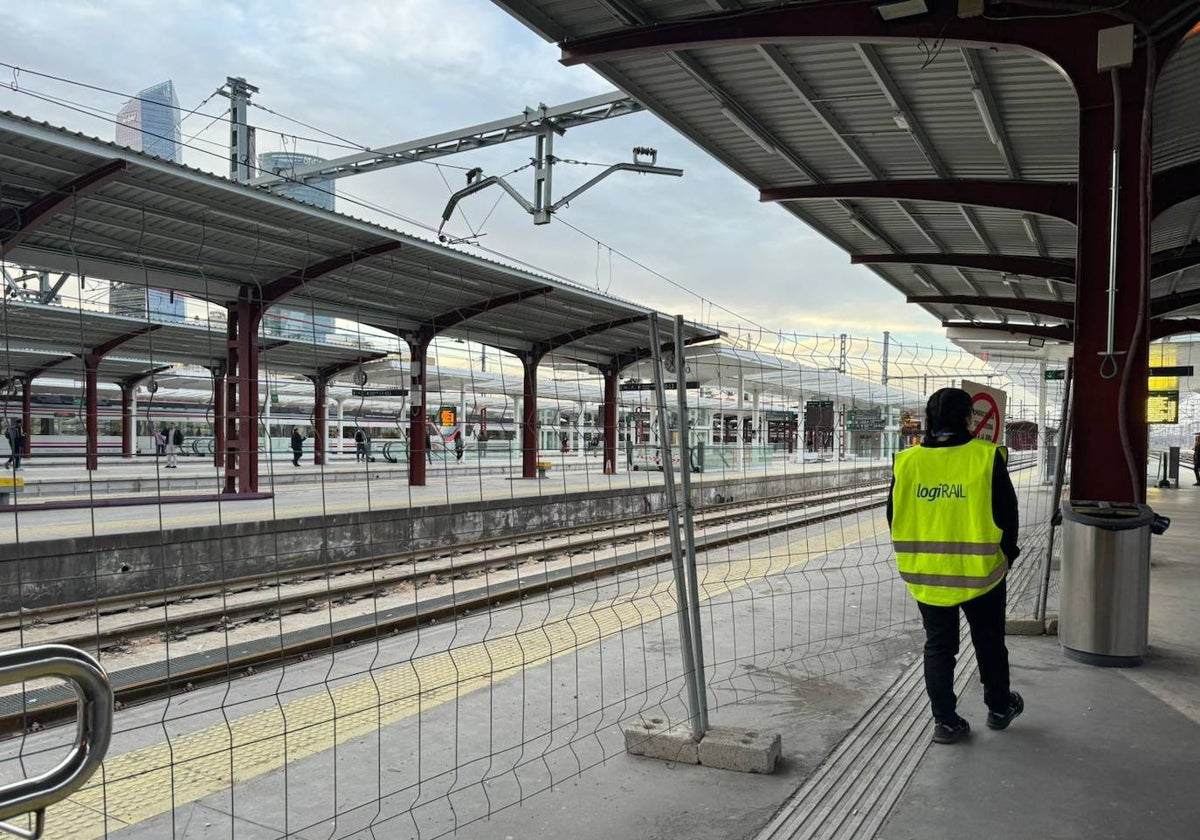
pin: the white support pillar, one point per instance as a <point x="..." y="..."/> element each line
<point x="1042" y="437"/>
<point x="341" y="427"/>
<point x="517" y="424"/>
<point x="756" y="418"/>
<point x="132" y="430"/>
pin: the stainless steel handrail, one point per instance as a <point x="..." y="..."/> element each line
<point x="92" y="734"/>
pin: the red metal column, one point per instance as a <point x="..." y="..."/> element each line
<point x="418" y="350"/>
<point x="27" y="412"/>
<point x="1111" y="391"/>
<point x="610" y="420"/>
<point x="241" y="373"/>
<point x="128" y="433"/>
<point x="529" y="416"/>
<point x="228" y="454"/>
<point x="219" y="419"/>
<point x="91" y="410"/>
<point x="319" y="399"/>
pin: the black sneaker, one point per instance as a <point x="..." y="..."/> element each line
<point x="951" y="732"/>
<point x="1001" y="720"/>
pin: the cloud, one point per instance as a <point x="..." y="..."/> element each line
<point x="382" y="72"/>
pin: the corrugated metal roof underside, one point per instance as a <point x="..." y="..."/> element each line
<point x="841" y="112"/>
<point x="167" y="226"/>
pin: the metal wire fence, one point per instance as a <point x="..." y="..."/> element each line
<point x="352" y="656"/>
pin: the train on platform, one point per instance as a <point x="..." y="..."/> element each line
<point x="485" y="422"/>
<point x="58" y="426"/>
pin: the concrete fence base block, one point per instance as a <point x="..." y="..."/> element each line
<point x="1051" y="625"/>
<point x="1024" y="627"/>
<point x="656" y="737"/>
<point x="744" y="750"/>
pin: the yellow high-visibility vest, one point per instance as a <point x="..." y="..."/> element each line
<point x="947" y="544"/>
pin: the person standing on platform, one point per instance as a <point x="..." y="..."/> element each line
<point x="459" y="446"/>
<point x="174" y="439"/>
<point x="160" y="441"/>
<point x="16" y="442"/>
<point x="1195" y="459"/>
<point x="428" y="446"/>
<point x="8" y="438"/>
<point x="953" y="515"/>
<point x="297" y="446"/>
<point x="360" y="445"/>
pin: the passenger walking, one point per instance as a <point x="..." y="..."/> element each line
<point x="428" y="447"/>
<point x="297" y="446"/>
<point x="360" y="445"/>
<point x="953" y="515"/>
<point x="174" y="438"/>
<point x="1195" y="459"/>
<point x="459" y="446"/>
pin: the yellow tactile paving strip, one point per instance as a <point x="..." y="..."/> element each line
<point x="141" y="784"/>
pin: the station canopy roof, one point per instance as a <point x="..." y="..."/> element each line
<point x="856" y="134"/>
<point x="727" y="368"/>
<point x="40" y="339"/>
<point x="77" y="204"/>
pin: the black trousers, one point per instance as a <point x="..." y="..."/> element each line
<point x="985" y="616"/>
<point x="296" y="453"/>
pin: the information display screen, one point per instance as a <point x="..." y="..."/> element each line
<point x="1163" y="407"/>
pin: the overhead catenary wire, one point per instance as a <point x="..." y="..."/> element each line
<point x="356" y="200"/>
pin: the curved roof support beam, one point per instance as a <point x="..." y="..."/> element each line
<point x="1063" y="270"/>
<point x="277" y="290"/>
<point x="1046" y="198"/>
<point x="102" y="350"/>
<point x="1060" y="38"/>
<point x="138" y="378"/>
<point x="330" y="371"/>
<point x="624" y="360"/>
<point x="1047" y="308"/>
<point x="1173" y="326"/>
<point x="1175" y="186"/>
<point x="463" y="313"/>
<point x="1163" y="306"/>
<point x="1056" y="332"/>
<point x="566" y="338"/>
<point x="1168" y="262"/>
<point x="15" y="224"/>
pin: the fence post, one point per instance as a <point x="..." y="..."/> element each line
<point x="681" y="588"/>
<point x="685" y="479"/>
<point x="1064" y="438"/>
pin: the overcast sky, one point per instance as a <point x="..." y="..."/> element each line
<point x="379" y="73"/>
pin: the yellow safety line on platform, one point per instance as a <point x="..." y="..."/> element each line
<point x="146" y="782"/>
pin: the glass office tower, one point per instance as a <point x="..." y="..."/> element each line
<point x="320" y="194"/>
<point x="133" y="300"/>
<point x="150" y="123"/>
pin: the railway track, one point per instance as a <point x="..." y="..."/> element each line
<point x="321" y="590"/>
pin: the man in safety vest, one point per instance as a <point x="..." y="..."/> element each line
<point x="953" y="514"/>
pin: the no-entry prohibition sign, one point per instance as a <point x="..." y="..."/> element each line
<point x="987" y="409"/>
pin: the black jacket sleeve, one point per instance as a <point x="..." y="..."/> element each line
<point x="1004" y="509"/>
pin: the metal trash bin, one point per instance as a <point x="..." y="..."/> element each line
<point x="1104" y="612"/>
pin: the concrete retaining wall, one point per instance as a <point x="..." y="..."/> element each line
<point x="49" y="573"/>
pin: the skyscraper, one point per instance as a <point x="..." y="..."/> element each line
<point x="150" y="123"/>
<point x="320" y="194"/>
<point x="133" y="300"/>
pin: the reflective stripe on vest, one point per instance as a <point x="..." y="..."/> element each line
<point x="947" y="544"/>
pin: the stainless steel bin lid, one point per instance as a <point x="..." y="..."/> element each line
<point x="1111" y="516"/>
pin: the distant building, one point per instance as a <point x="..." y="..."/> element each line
<point x="150" y="123"/>
<point x="320" y="194"/>
<point x="296" y="325"/>
<point x="141" y="302"/>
